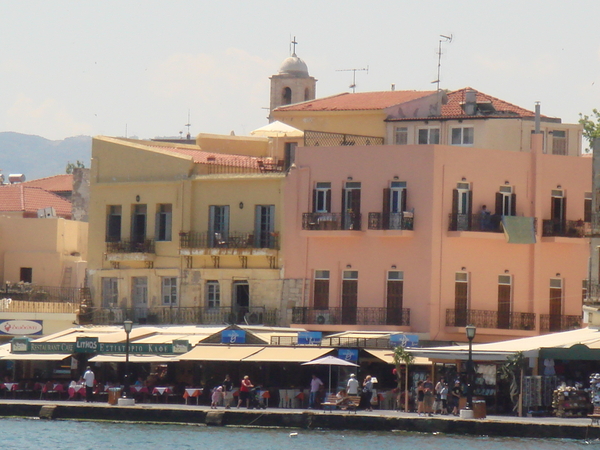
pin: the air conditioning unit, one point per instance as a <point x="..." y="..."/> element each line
<point x="46" y="213"/>
<point x="252" y="318"/>
<point x="322" y="318"/>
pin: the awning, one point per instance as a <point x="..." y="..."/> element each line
<point x="36" y="356"/>
<point x="135" y="358"/>
<point x="277" y="129"/>
<point x="219" y="353"/>
<point x="288" y="354"/>
<point x="387" y="356"/>
<point x="519" y="230"/>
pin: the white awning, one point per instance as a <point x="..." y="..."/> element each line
<point x="387" y="356"/>
<point x="219" y="353"/>
<point x="135" y="358"/>
<point x="288" y="354"/>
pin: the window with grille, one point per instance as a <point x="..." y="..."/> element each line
<point x="559" y="142"/>
<point x="401" y="134"/>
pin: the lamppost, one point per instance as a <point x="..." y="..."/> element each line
<point x="127" y="325"/>
<point x="470" y="329"/>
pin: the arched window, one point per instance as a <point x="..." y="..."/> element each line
<point x="286" y="97"/>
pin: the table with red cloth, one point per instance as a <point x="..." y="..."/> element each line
<point x="192" y="392"/>
<point x="163" y="391"/>
<point x="76" y="389"/>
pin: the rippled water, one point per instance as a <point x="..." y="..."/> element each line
<point x="25" y="434"/>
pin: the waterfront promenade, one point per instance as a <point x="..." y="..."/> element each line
<point x="378" y="420"/>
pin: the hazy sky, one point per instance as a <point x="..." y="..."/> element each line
<point x="137" y="67"/>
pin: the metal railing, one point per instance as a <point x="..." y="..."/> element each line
<point x="490" y="319"/>
<point x="566" y="228"/>
<point x="24" y="297"/>
<point x="130" y="246"/>
<point x="391" y="221"/>
<point x="559" y="322"/>
<point x="475" y="222"/>
<point x="351" y="316"/>
<point x="324" y="139"/>
<point x="161" y="315"/>
<point x="331" y="221"/>
<point x="232" y="239"/>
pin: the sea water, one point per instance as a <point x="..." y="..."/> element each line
<point x="25" y="434"/>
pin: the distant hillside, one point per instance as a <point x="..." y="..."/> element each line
<point x="37" y="157"/>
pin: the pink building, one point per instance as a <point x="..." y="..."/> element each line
<point x="429" y="238"/>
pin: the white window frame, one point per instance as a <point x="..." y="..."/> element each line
<point x="461" y="136"/>
<point x="169" y="290"/>
<point x="323" y="192"/>
<point x="213" y="294"/>
<point x="430" y="135"/>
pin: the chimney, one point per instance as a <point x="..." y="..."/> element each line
<point x="537" y="117"/>
<point x="470" y="106"/>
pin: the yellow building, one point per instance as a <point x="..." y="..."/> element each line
<point x="185" y="233"/>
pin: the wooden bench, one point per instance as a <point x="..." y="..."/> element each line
<point x="332" y="403"/>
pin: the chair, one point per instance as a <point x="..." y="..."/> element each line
<point x="219" y="241"/>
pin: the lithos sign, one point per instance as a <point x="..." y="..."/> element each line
<point x="21" y="327"/>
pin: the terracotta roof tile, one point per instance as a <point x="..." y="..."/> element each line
<point x="18" y="197"/>
<point x="357" y="101"/>
<point x="502" y="108"/>
<point x="56" y="183"/>
<point x="223" y="159"/>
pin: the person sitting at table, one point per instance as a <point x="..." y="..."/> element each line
<point x="140" y="381"/>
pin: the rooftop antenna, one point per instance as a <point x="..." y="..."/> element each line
<point x="353" y="85"/>
<point x="188" y="125"/>
<point x="447" y="39"/>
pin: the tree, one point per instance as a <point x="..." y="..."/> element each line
<point x="401" y="356"/>
<point x="591" y="126"/>
<point x="71" y="166"/>
<point x="513" y="370"/>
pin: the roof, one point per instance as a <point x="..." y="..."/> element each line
<point x="18" y="197"/>
<point x="359" y="101"/>
<point x="56" y="183"/>
<point x="457" y="98"/>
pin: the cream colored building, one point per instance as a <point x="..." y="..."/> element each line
<point x="186" y="233"/>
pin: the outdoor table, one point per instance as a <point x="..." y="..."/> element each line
<point x="192" y="392"/>
<point x="10" y="387"/>
<point x="140" y="390"/>
<point x="162" y="391"/>
<point x="76" y="389"/>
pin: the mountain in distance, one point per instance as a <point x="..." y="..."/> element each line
<point x="38" y="157"/>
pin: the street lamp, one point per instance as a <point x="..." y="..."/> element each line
<point x="470" y="329"/>
<point x="127" y="326"/>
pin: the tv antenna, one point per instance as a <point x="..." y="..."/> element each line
<point x="447" y="39"/>
<point x="353" y="85"/>
<point x="188" y="125"/>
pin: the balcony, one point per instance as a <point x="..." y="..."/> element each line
<point x="331" y="221"/>
<point x="475" y="222"/>
<point x="28" y="298"/>
<point x="490" y="319"/>
<point x="559" y="322"/>
<point x="566" y="228"/>
<point x="391" y="221"/>
<point x="351" y="316"/>
<point x="171" y="315"/>
<point x="194" y="242"/>
<point x="130" y="250"/>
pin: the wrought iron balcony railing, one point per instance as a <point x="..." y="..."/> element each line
<point x="559" y="322"/>
<point x="475" y="222"/>
<point x="351" y="316"/>
<point x="490" y="319"/>
<point x="566" y="228"/>
<point x="331" y="221"/>
<point x="392" y="221"/>
<point x="232" y="239"/>
<point x="163" y="315"/>
<point x="131" y="246"/>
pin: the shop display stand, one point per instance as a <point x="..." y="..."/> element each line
<point x="571" y="401"/>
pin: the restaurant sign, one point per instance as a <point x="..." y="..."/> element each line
<point x="181" y="346"/>
<point x="86" y="345"/>
<point x="348" y="354"/>
<point x="21" y="327"/>
<point x="90" y="345"/>
<point x="233" y="337"/>
<point x="309" y="337"/>
<point x="404" y="340"/>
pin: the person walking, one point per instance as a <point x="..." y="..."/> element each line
<point x="245" y="391"/>
<point x="367" y="393"/>
<point x="352" y="385"/>
<point x="315" y="386"/>
<point x="429" y="396"/>
<point x="90" y="380"/>
<point x="227" y="391"/>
